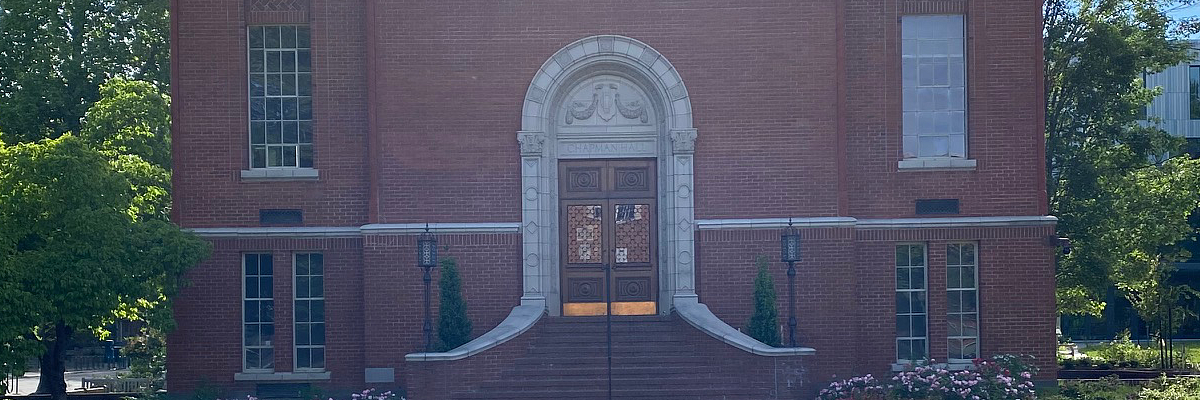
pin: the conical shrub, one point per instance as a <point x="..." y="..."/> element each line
<point x="453" y="325"/>
<point x="764" y="323"/>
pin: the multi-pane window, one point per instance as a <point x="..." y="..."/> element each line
<point x="962" y="302"/>
<point x="280" y="97"/>
<point x="911" y="311"/>
<point x="934" y="86"/>
<point x="258" y="311"/>
<point x="1194" y="91"/>
<point x="310" y="312"/>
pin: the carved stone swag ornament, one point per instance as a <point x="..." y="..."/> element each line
<point x="606" y="103"/>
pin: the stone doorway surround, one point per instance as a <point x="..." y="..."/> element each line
<point x="552" y="129"/>
<point x="556" y="99"/>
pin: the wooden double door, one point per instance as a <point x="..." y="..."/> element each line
<point x="609" y="238"/>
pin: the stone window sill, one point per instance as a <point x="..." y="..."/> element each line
<point x="936" y="164"/>
<point x="281" y="376"/>
<point x="954" y="366"/>
<point x="280" y="174"/>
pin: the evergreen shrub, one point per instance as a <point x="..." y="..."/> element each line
<point x="453" y="325"/>
<point x="764" y="323"/>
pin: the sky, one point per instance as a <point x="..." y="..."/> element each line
<point x="1185" y="12"/>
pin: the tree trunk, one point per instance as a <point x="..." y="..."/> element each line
<point x="53" y="363"/>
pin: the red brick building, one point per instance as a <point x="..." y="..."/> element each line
<point x="542" y="140"/>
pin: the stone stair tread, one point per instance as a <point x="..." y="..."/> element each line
<point x="588" y="394"/>
<point x="624" y="371"/>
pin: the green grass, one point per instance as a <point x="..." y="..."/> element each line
<point x="1190" y="349"/>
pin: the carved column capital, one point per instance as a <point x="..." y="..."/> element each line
<point x="683" y="141"/>
<point x="533" y="143"/>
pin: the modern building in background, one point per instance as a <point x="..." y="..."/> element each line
<point x="584" y="158"/>
<point x="1177" y="109"/>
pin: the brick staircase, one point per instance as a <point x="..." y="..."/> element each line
<point x="660" y="358"/>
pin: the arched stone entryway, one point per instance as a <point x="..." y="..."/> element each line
<point x="666" y="134"/>
<point x="569" y="113"/>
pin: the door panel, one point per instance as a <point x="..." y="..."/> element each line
<point x="585" y="224"/>
<point x="633" y="227"/>
<point x="608" y="217"/>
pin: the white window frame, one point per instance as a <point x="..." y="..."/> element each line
<point x="269" y="343"/>
<point x="250" y="95"/>
<point x="924" y="289"/>
<point x="296" y="299"/>
<point x="974" y="265"/>
<point x="928" y="108"/>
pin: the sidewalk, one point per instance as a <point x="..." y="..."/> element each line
<point x="29" y="382"/>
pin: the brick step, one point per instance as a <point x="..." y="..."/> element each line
<point x="616" y="335"/>
<point x="647" y="331"/>
<point x="541" y="350"/>
<point x="616" y="344"/>
<point x="600" y="319"/>
<point x="624" y="382"/>
<point x="616" y="324"/>
<point x="653" y="358"/>
<point x="618" y="371"/>
<point x="600" y="379"/>
<point x="625" y="360"/>
<point x="587" y="323"/>
<point x="704" y="393"/>
<point x="627" y="342"/>
<point x="669" y="384"/>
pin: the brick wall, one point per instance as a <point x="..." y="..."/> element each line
<point x="489" y="265"/>
<point x="798" y="110"/>
<point x="206" y="347"/>
<point x="846" y="300"/>
<point x="431" y="380"/>
<point x="210" y="131"/>
<point x="824" y="290"/>
<point x="845" y="297"/>
<point x="763" y="78"/>
<point x="373" y="299"/>
<point x="1004" y="132"/>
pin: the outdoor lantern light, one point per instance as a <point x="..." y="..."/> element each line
<point x="427" y="259"/>
<point x="427" y="249"/>
<point x="790" y="253"/>
<point x="790" y="244"/>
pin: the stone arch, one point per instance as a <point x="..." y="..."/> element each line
<point x="672" y="144"/>
<point x="615" y="51"/>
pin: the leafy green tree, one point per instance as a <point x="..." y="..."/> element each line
<point x="453" y="325"/>
<point x="106" y="60"/>
<point x="74" y="252"/>
<point x="147" y="355"/>
<point x="131" y="124"/>
<point x="56" y="54"/>
<point x="1122" y="203"/>
<point x="131" y="117"/>
<point x="764" y="322"/>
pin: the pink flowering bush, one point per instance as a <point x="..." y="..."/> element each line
<point x="1002" y="378"/>
<point x="370" y="394"/>
<point x="367" y="394"/>
<point x="858" y="388"/>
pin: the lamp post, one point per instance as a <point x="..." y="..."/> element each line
<point x="790" y="253"/>
<point x="427" y="260"/>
